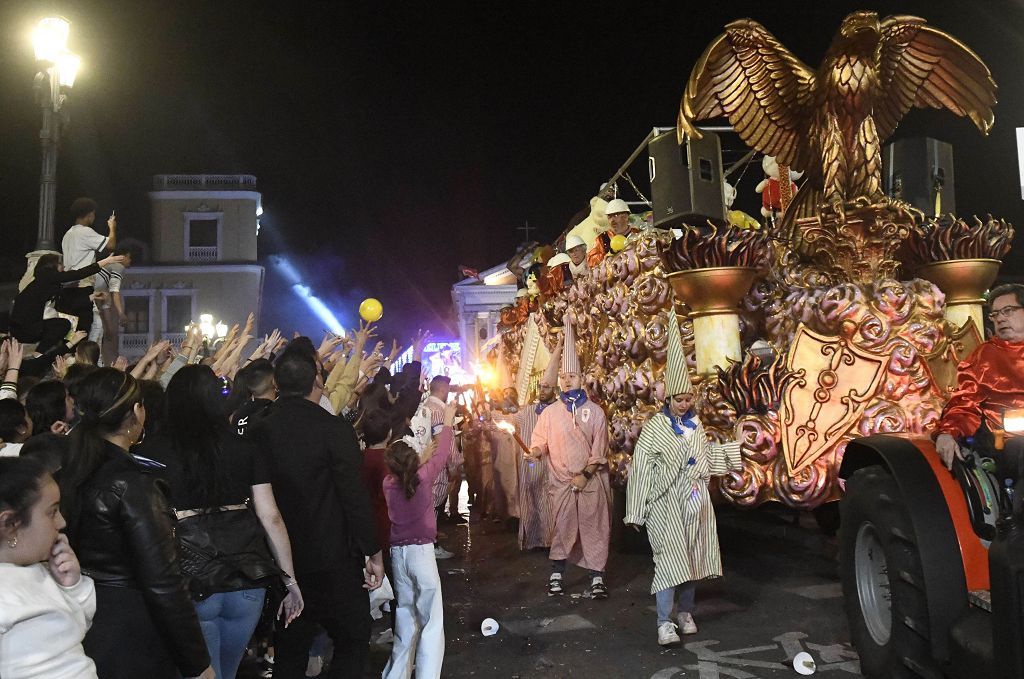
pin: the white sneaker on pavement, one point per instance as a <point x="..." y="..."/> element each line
<point x="442" y="553"/>
<point x="667" y="635"/>
<point x="315" y="666"/>
<point x="686" y="624"/>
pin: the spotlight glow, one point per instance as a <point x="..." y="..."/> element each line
<point x="319" y="308"/>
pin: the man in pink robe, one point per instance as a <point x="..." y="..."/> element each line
<point x="573" y="434"/>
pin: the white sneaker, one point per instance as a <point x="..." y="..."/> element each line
<point x="686" y="624"/>
<point x="442" y="553"/>
<point x="315" y="666"/>
<point x="667" y="635"/>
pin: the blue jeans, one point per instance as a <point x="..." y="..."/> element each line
<point x="227" y="620"/>
<point x="681" y="595"/>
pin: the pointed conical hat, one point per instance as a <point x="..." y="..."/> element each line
<point x="534" y="358"/>
<point x="570" y="361"/>
<point x="677" y="375"/>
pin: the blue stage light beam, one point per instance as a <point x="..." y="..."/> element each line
<point x="319" y="308"/>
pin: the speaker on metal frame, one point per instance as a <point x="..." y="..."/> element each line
<point x="919" y="170"/>
<point x="686" y="179"/>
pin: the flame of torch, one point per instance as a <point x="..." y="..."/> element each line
<point x="510" y="429"/>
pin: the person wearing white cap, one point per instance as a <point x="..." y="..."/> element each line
<point x="576" y="249"/>
<point x="558" y="276"/>
<point x="667" y="490"/>
<point x="573" y="436"/>
<point x="618" y="219"/>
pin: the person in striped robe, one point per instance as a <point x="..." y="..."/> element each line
<point x="440" y="387"/>
<point x="667" y="490"/>
<point x="534" y="510"/>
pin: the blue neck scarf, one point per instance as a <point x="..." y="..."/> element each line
<point x="680" y="424"/>
<point x="573" y="399"/>
<point x="541" y="406"/>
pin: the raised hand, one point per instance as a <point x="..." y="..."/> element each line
<point x="329" y="345"/>
<point x="121" y="364"/>
<point x="15" y="353"/>
<point x="76" y="337"/>
<point x="60" y="367"/>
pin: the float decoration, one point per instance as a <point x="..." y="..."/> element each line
<point x="856" y="351"/>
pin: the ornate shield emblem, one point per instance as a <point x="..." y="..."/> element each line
<point x="941" y="363"/>
<point x="828" y="395"/>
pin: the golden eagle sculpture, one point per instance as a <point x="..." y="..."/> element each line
<point x="832" y="122"/>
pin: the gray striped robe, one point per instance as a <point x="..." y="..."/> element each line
<point x="667" y="490"/>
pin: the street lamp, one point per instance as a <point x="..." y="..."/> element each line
<point x="213" y="333"/>
<point x="58" y="69"/>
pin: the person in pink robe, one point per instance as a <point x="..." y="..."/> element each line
<point x="573" y="435"/>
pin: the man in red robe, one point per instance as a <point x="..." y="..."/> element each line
<point x="990" y="380"/>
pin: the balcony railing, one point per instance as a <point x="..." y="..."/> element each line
<point x="204" y="182"/>
<point x="203" y="253"/>
<point x="133" y="344"/>
<point x="175" y="338"/>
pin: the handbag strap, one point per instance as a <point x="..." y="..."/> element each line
<point x="186" y="513"/>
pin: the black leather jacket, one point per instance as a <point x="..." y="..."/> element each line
<point x="125" y="538"/>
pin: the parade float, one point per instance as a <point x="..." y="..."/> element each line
<point x="843" y="316"/>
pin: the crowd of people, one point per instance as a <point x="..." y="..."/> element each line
<point x="162" y="516"/>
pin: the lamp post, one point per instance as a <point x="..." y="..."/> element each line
<point x="213" y="333"/>
<point x="58" y="68"/>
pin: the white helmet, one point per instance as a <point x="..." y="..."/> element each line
<point x="573" y="241"/>
<point x="560" y="258"/>
<point x="616" y="206"/>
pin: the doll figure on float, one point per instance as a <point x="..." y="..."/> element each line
<point x="770" y="189"/>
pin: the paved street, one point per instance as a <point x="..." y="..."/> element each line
<point x="780" y="596"/>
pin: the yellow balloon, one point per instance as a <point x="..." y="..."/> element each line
<point x="371" y="310"/>
<point x="618" y="242"/>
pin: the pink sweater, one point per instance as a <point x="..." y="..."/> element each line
<point x="413" y="521"/>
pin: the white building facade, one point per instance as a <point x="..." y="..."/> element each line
<point x="203" y="259"/>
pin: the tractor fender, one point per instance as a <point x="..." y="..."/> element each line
<point x="927" y="502"/>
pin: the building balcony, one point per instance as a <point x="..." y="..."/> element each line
<point x="204" y="182"/>
<point x="203" y="254"/>
<point x="133" y="344"/>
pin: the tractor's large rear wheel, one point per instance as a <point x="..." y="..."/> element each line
<point x="883" y="584"/>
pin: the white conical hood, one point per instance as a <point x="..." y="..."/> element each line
<point x="677" y="375"/>
<point x="570" y="361"/>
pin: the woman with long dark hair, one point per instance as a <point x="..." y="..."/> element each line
<point x="213" y="476"/>
<point x="50" y="408"/>
<point x="121" y="526"/>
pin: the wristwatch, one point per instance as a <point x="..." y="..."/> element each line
<point x="587" y="475"/>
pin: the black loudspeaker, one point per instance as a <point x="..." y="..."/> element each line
<point x="919" y="170"/>
<point x="686" y="179"/>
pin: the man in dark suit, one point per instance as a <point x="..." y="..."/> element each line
<point x="315" y="472"/>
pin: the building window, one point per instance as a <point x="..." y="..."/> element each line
<point x="178" y="314"/>
<point x="136" y="311"/>
<point x="202" y="236"/>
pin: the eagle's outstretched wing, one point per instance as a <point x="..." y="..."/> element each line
<point x="922" y="66"/>
<point x="748" y="76"/>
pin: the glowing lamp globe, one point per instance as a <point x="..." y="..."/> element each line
<point x="371" y="310"/>
<point x="618" y="243"/>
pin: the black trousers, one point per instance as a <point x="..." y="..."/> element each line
<point x="336" y="601"/>
<point x="47" y="333"/>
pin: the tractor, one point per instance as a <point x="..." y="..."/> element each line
<point x="932" y="559"/>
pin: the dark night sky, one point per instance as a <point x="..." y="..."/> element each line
<point x="395" y="140"/>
